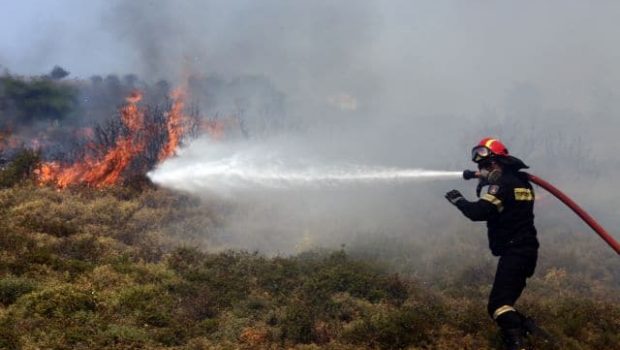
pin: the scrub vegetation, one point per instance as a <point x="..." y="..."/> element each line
<point x="119" y="268"/>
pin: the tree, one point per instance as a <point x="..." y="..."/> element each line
<point x="58" y="73"/>
<point x="34" y="99"/>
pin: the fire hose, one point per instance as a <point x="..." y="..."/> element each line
<point x="587" y="218"/>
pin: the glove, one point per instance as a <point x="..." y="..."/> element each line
<point x="454" y="196"/>
<point x="470" y="174"/>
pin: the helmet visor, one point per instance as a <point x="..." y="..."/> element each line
<point x="479" y="153"/>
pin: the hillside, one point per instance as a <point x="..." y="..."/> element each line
<point x="95" y="269"/>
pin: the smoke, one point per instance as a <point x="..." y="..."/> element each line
<point x="284" y="196"/>
<point x="390" y="85"/>
<point x="382" y="84"/>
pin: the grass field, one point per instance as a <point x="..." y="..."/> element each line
<point x="117" y="269"/>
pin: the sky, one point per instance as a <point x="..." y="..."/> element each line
<point x="449" y="57"/>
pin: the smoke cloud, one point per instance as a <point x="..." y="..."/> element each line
<point x="378" y="84"/>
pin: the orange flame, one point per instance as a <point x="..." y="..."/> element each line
<point x="175" y="123"/>
<point x="108" y="170"/>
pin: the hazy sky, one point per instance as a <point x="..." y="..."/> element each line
<point x="407" y="72"/>
<point x="447" y="56"/>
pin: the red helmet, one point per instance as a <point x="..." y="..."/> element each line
<point x="488" y="148"/>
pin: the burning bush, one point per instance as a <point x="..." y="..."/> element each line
<point x="35" y="116"/>
<point x="127" y="148"/>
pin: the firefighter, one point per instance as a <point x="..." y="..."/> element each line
<point x="507" y="207"/>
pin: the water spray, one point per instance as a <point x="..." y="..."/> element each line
<point x="587" y="218"/>
<point x="242" y="166"/>
<point x="230" y="175"/>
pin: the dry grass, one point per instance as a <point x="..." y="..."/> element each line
<point x="107" y="269"/>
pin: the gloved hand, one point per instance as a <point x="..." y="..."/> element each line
<point x="454" y="196"/>
<point x="470" y="174"/>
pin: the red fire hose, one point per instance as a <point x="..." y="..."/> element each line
<point x="578" y="210"/>
<point x="470" y="174"/>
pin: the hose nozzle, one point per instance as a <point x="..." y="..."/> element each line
<point x="470" y="174"/>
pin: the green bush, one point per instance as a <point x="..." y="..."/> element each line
<point x="20" y="168"/>
<point x="38" y="98"/>
<point x="57" y="301"/>
<point x="298" y="322"/>
<point x="9" y="334"/>
<point x="47" y="216"/>
<point x="11" y="288"/>
<point x="124" y="334"/>
<point x="394" y="328"/>
<point x="337" y="273"/>
<point x="148" y="304"/>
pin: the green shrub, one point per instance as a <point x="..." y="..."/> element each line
<point x="186" y="259"/>
<point x="582" y="319"/>
<point x="337" y="273"/>
<point x="43" y="215"/>
<point x="394" y="328"/>
<point x="124" y="334"/>
<point x="148" y="304"/>
<point x="20" y="168"/>
<point x="9" y="334"/>
<point x="12" y="288"/>
<point x="38" y="98"/>
<point x="57" y="301"/>
<point x="298" y="323"/>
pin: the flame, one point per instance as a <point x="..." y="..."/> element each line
<point x="107" y="170"/>
<point x="175" y="123"/>
<point x="106" y="167"/>
<point x="47" y="172"/>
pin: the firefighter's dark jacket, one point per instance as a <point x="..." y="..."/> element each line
<point x="508" y="209"/>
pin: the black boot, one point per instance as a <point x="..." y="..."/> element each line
<point x="531" y="328"/>
<point x="513" y="339"/>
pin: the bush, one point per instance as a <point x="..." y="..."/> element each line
<point x="123" y="334"/>
<point x="298" y="323"/>
<point x="57" y="301"/>
<point x="38" y="98"/>
<point x="148" y="304"/>
<point x="11" y="288"/>
<point x="393" y="328"/>
<point x="9" y="335"/>
<point x="110" y="273"/>
<point x="20" y="168"/>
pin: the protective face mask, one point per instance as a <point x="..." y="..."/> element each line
<point x="484" y="174"/>
<point x="490" y="176"/>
